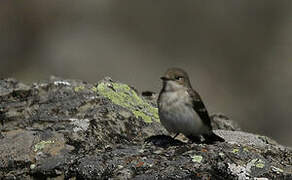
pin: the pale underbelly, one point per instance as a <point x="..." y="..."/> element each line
<point x="182" y="119"/>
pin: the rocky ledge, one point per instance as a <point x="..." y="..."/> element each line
<point x="70" y="129"/>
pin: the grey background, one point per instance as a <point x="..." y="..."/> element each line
<point x="238" y="53"/>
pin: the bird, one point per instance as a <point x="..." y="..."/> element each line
<point x="181" y="109"/>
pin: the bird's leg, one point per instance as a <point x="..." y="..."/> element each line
<point x="212" y="138"/>
<point x="175" y="135"/>
<point x="194" y="139"/>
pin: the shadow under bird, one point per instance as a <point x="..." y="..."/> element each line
<point x="181" y="109"/>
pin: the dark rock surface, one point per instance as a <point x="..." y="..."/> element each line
<point x="69" y="129"/>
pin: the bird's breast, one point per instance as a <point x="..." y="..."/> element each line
<point x="177" y="114"/>
<point x="173" y="98"/>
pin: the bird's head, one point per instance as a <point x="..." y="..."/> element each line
<point x="175" y="78"/>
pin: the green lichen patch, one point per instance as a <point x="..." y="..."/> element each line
<point x="94" y="89"/>
<point x="245" y="149"/>
<point x="197" y="158"/>
<point x="258" y="163"/>
<point x="41" y="145"/>
<point x="123" y="95"/>
<point x="78" y="88"/>
<point x="235" y="150"/>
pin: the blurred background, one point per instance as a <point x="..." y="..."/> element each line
<point x="238" y="53"/>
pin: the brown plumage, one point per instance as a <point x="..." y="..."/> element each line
<point x="181" y="109"/>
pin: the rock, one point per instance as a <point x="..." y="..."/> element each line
<point x="70" y="129"/>
<point x="15" y="153"/>
<point x="220" y="121"/>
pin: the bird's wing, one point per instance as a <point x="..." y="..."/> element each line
<point x="199" y="107"/>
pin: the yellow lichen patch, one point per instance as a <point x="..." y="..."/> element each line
<point x="245" y="149"/>
<point x="78" y="88"/>
<point x="94" y="89"/>
<point x="41" y="145"/>
<point x="235" y="150"/>
<point x="197" y="158"/>
<point x="123" y="95"/>
<point x="258" y="163"/>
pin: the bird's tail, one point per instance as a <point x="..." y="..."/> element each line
<point x="212" y="138"/>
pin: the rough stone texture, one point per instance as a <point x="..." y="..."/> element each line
<point x="69" y="129"/>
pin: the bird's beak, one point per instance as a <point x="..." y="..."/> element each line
<point x="163" y="78"/>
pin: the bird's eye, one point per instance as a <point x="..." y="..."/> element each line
<point x="178" y="78"/>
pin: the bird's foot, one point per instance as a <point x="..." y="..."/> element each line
<point x="163" y="141"/>
<point x="194" y="139"/>
<point x="212" y="138"/>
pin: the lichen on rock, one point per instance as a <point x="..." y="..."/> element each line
<point x="70" y="129"/>
<point x="123" y="95"/>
